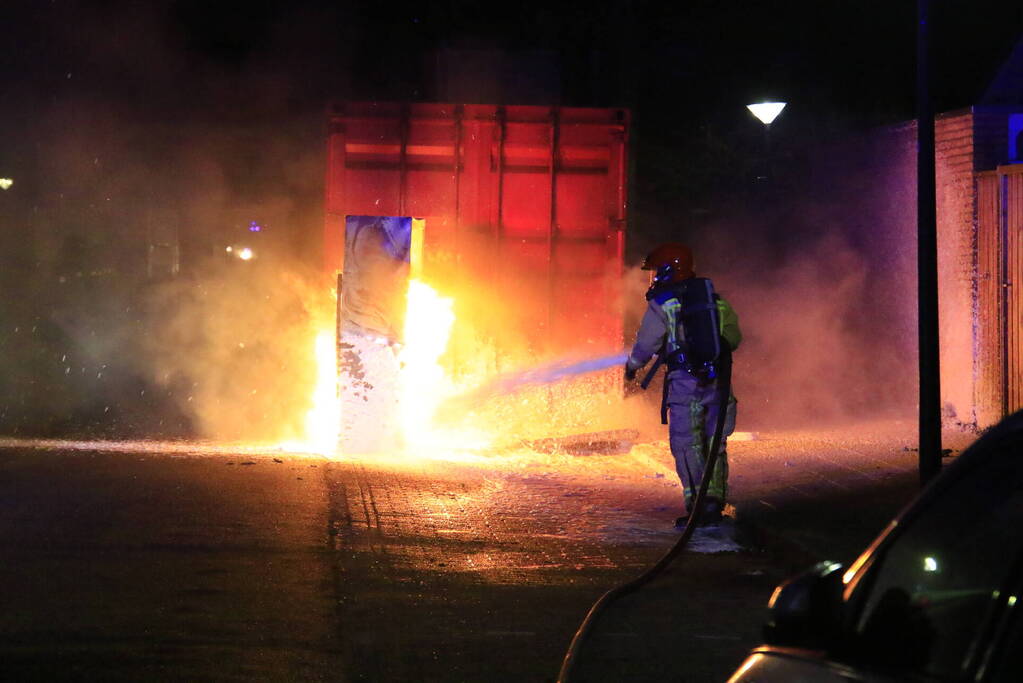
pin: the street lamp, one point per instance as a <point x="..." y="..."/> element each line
<point x="766" y="112"/>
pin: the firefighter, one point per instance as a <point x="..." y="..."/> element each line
<point x="691" y="398"/>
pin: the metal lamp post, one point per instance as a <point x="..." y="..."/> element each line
<point x="766" y="112"/>
<point x="927" y="258"/>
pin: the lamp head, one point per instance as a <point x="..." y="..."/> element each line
<point x="766" y="111"/>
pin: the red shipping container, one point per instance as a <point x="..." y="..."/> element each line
<point x="524" y="209"/>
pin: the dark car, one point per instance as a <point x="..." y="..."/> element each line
<point x="934" y="598"/>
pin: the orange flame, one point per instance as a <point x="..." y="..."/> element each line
<point x="322" y="422"/>
<point x="423" y="382"/>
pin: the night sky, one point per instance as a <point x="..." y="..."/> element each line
<point x="837" y="55"/>
<point x="167" y="75"/>
<point x="120" y="116"/>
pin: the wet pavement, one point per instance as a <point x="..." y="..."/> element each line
<point x="198" y="562"/>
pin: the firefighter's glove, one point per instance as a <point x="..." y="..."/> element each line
<point x="630" y="374"/>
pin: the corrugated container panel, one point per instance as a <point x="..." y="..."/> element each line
<point x="1013" y="186"/>
<point x="526" y="203"/>
<point x="990" y="357"/>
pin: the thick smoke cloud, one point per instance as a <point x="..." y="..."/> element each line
<point x="135" y="133"/>
<point x="140" y="154"/>
<point x="238" y="346"/>
<point x="822" y="275"/>
<point x="818" y="347"/>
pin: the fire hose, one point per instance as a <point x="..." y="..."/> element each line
<point x="724" y="392"/>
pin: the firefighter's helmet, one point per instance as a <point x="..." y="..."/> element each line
<point x="672" y="261"/>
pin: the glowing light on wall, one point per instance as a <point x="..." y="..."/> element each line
<point x="766" y="111"/>
<point x="5" y="183"/>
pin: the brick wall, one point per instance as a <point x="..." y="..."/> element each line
<point x="954" y="167"/>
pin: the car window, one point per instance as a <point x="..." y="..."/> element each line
<point x="935" y="587"/>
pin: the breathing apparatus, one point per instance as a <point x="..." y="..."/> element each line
<point x="693" y="340"/>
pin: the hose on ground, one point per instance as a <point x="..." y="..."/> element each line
<point x="724" y="393"/>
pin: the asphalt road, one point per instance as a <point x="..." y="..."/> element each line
<point x="185" y="562"/>
<point x="147" y="566"/>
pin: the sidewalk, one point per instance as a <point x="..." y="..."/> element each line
<point x="798" y="498"/>
<point x="826" y="494"/>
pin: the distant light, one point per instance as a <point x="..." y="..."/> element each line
<point x="245" y="254"/>
<point x="5" y="183"/>
<point x="930" y="564"/>
<point x="766" y="111"/>
<point x="1012" y="601"/>
<point x="255" y="227"/>
<point x="229" y="250"/>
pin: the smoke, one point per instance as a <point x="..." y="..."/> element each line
<point x="134" y="133"/>
<point x="137" y="163"/>
<point x="822" y="276"/>
<point x="239" y="345"/>
<point x="818" y="346"/>
<point x="228" y="354"/>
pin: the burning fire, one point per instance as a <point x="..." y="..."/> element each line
<point x="322" y="422"/>
<point x="423" y="382"/>
<point x="420" y="387"/>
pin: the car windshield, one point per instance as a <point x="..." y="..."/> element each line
<point x="934" y="589"/>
